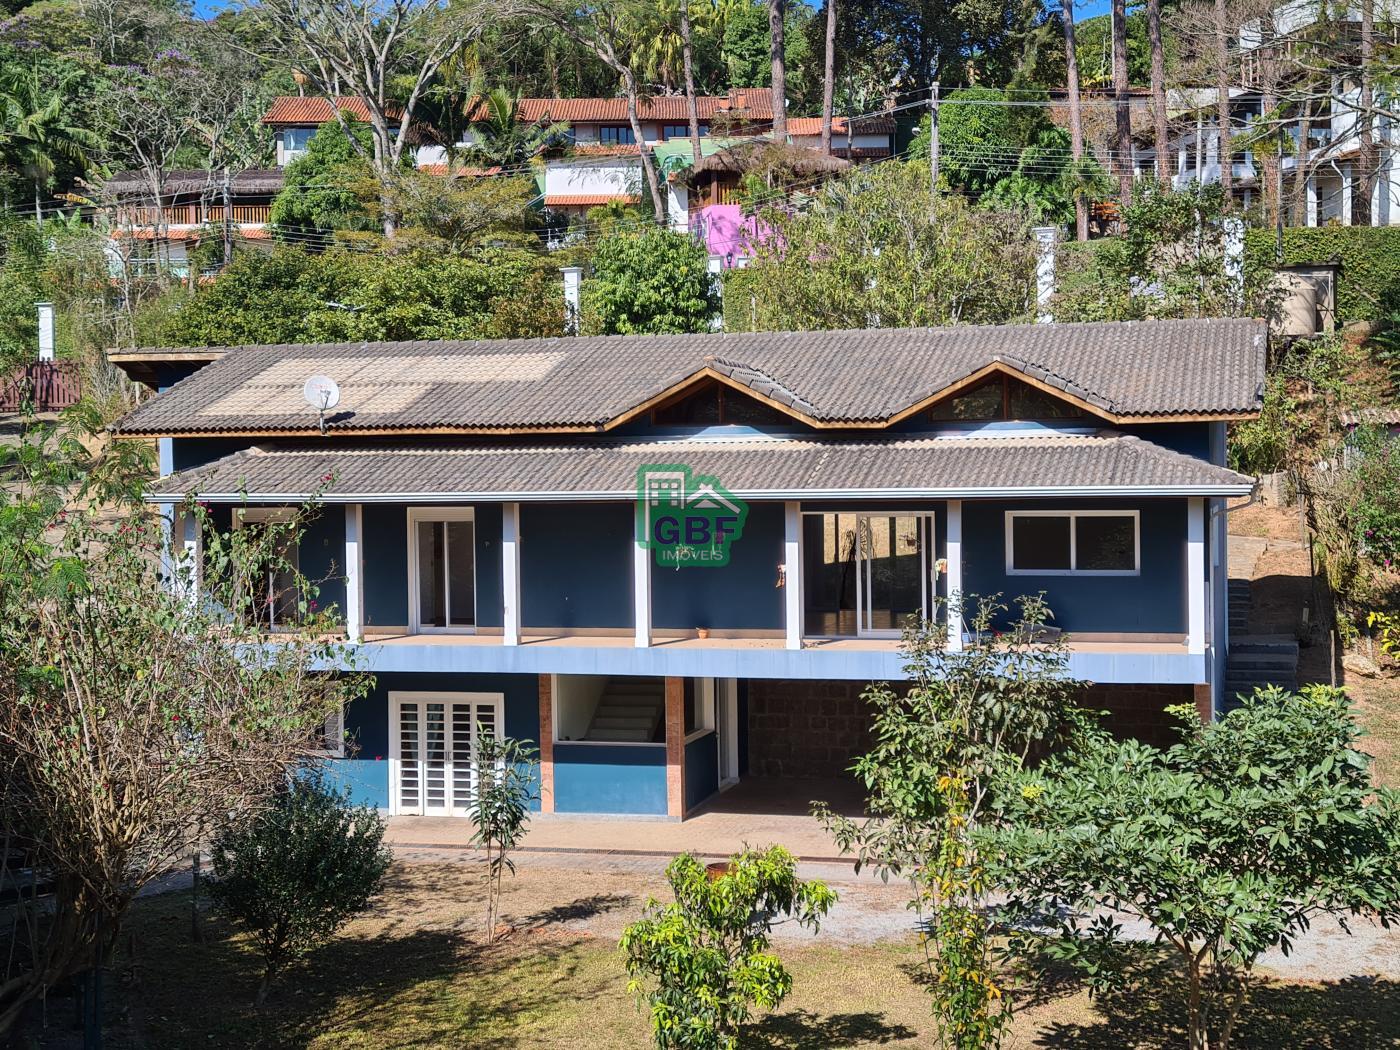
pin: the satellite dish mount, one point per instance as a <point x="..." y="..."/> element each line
<point x="322" y="393"/>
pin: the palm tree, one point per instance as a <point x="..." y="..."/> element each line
<point x="37" y="132"/>
<point x="777" y="9"/>
<point x="501" y="137"/>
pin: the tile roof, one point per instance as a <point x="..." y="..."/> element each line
<point x="587" y="200"/>
<point x="864" y="126"/>
<point x="315" y="109"/>
<point x="1125" y="370"/>
<point x="755" y="103"/>
<point x="1093" y="463"/>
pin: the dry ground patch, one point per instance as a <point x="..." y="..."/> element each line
<point x="414" y="973"/>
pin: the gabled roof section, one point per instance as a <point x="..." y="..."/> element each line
<point x="1150" y="371"/>
<point x="296" y="110"/>
<point x="1082" y="464"/>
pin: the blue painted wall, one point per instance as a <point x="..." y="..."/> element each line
<point x="322" y="557"/>
<point x="742" y="595"/>
<point x="701" y="769"/>
<point x="1153" y="602"/>
<point x="386" y="564"/>
<point x="602" y="778"/>
<point x="366" y="772"/>
<point x="576" y="565"/>
<point x="1191" y="438"/>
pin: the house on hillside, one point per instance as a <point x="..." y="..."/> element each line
<point x="152" y="230"/>
<point x="676" y="561"/>
<point x="599" y="160"/>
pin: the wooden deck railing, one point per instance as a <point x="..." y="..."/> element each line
<point x="193" y="215"/>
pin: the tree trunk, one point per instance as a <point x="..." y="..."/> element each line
<point x="629" y="84"/>
<point x="1367" y="161"/>
<point x="1076" y="120"/>
<point x="776" y="10"/>
<point x="688" y="64"/>
<point x="829" y="85"/>
<point x="1298" y="198"/>
<point x="1122" y="115"/>
<point x="1224" y="154"/>
<point x="1159" y="89"/>
<point x="1268" y="155"/>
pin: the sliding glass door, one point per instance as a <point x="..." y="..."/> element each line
<point x="867" y="574"/>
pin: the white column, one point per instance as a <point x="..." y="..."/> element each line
<point x="1044" y="273"/>
<point x="954" y="579"/>
<point x="188" y="555"/>
<point x="1347" y="183"/>
<point x="354" y="574"/>
<point x="1310" y="218"/>
<point x="792" y="573"/>
<point x="641" y="593"/>
<point x="1196" y="575"/>
<point x="46" y="342"/>
<point x="573" y="281"/>
<point x="510" y="572"/>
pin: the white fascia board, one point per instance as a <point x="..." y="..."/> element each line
<point x="754" y="495"/>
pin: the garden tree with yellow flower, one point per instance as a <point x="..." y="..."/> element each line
<point x="137" y="714"/>
<point x="944" y="748"/>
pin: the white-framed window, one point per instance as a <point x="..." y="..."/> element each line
<point x="1073" y="543"/>
<point x="295" y="141"/>
<point x="442" y="569"/>
<point x="272" y="585"/>
<point x="699" y="707"/>
<point x="433" y="741"/>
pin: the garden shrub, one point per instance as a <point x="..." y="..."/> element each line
<point x="298" y="871"/>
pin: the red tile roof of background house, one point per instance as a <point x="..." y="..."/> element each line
<point x="866" y="125"/>
<point x="586" y="200"/>
<point x="755" y="103"/>
<point x="307" y="109"/>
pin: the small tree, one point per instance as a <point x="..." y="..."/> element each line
<point x="943" y="747"/>
<point x="709" y="951"/>
<point x="652" y="283"/>
<point x="1227" y="844"/>
<point x="324" y="188"/>
<point x="504" y="769"/>
<point x="298" y="871"/>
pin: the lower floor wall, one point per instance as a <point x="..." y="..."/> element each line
<point x="784" y="729"/>
<point x="806" y="728"/>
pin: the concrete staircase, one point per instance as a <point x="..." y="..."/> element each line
<point x="630" y="710"/>
<point x="1255" y="660"/>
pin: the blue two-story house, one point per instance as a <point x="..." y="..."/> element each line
<point x="506" y="530"/>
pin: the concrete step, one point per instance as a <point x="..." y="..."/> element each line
<point x="1263" y="643"/>
<point x="1262" y="662"/>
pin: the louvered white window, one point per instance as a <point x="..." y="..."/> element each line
<point x="433" y="740"/>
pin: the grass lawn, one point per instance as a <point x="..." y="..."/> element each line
<point x="413" y="974"/>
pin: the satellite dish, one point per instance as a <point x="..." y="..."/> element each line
<point x="321" y="393"/>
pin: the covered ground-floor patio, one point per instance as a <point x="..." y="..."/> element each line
<point x="757" y="811"/>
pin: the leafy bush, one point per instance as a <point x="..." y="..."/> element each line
<point x="298" y="871"/>
<point x="343" y="295"/>
<point x="708" y="951"/>
<point x="654" y="282"/>
<point x="1368" y="287"/>
<point x="1374" y="455"/>
<point x="1225" y="845"/>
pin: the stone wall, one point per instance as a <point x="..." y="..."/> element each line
<point x="817" y="729"/>
<point x="806" y="728"/>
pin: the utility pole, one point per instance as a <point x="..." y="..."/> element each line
<point x="1278" y="194"/>
<point x="933" y="145"/>
<point x="228" y="229"/>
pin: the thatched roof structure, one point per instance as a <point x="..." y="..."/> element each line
<point x="782" y="160"/>
<point x="252" y="182"/>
